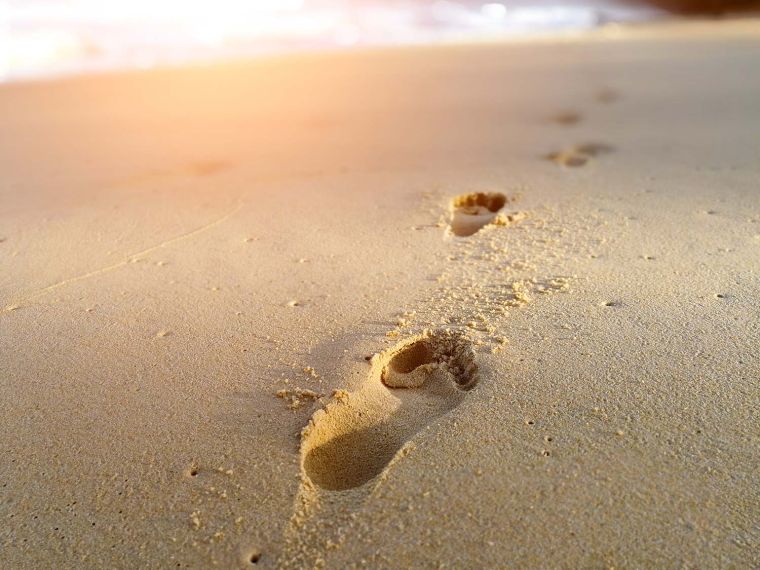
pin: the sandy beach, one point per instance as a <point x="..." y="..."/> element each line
<point x="470" y="306"/>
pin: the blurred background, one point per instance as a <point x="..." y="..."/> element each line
<point x="45" y="38"/>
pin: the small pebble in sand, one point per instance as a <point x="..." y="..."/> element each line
<point x="311" y="372"/>
<point x="298" y="397"/>
<point x="340" y="395"/>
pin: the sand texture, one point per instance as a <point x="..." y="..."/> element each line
<point x="485" y="306"/>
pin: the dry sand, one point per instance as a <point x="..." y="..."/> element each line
<point x="198" y="264"/>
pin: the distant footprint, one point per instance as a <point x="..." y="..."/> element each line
<point x="579" y="155"/>
<point x="352" y="441"/>
<point x="567" y="118"/>
<point x="607" y="95"/>
<point x="470" y="212"/>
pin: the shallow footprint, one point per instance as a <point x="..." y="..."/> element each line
<point x="579" y="155"/>
<point x="470" y="212"/>
<point x="357" y="435"/>
<point x="607" y="95"/>
<point x="567" y="118"/>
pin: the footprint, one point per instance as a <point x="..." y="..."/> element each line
<point x="567" y="118"/>
<point x="470" y="212"/>
<point x="579" y="155"/>
<point x="607" y="95"/>
<point x="350" y="442"/>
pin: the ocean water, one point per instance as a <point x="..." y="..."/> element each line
<point x="46" y="38"/>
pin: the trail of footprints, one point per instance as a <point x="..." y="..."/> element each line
<point x="347" y="446"/>
<point x="351" y="441"/>
<point x="355" y="436"/>
<point x="579" y="155"/>
<point x="421" y="378"/>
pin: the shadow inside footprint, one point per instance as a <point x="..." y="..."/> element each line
<point x="355" y="437"/>
<point x="470" y="212"/>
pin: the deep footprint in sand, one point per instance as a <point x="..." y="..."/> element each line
<point x="579" y="155"/>
<point x="350" y="442"/>
<point x="470" y="212"/>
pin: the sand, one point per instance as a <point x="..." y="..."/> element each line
<point x="201" y="264"/>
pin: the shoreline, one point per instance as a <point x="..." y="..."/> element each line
<point x="683" y="28"/>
